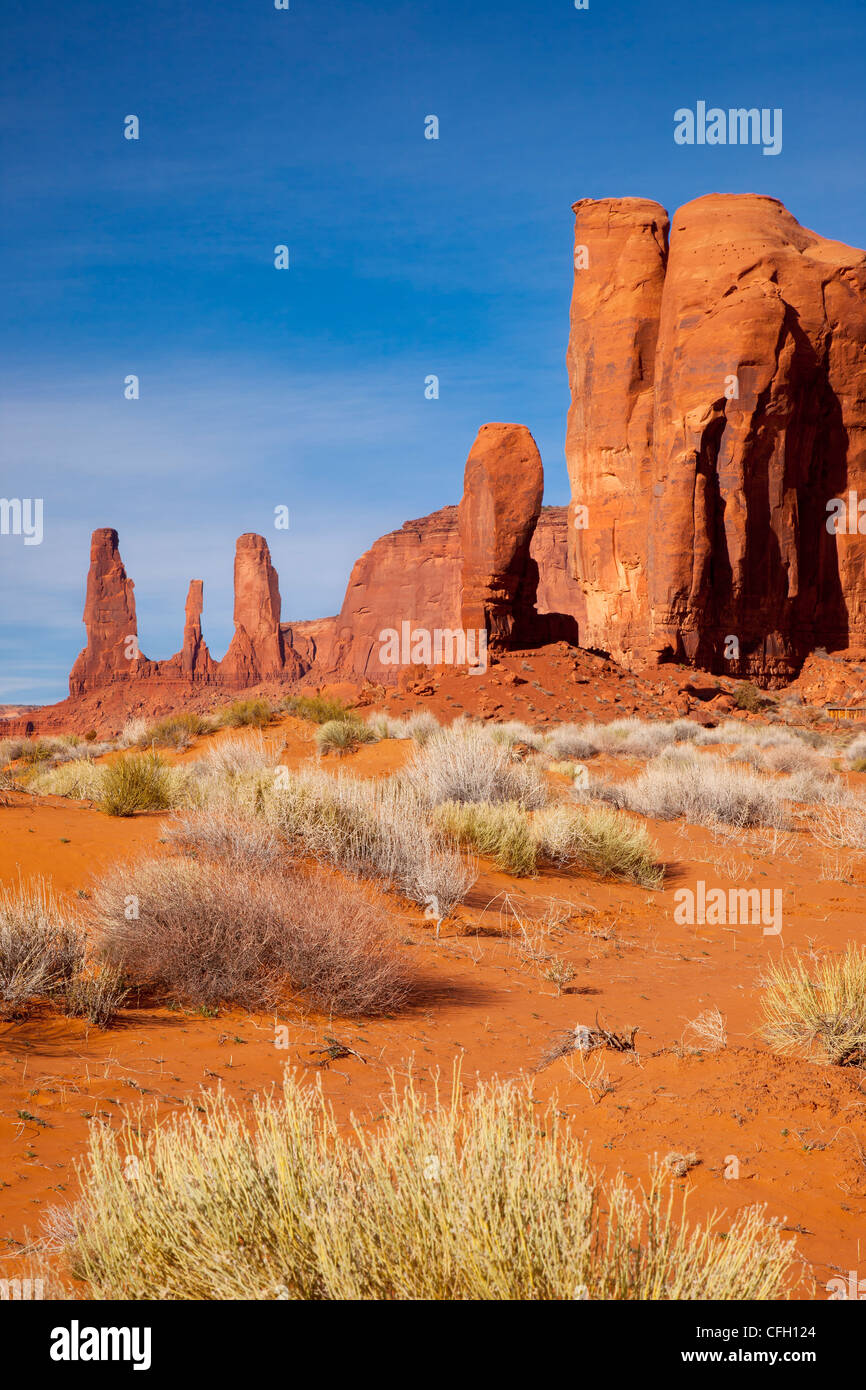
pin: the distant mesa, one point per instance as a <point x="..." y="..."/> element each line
<point x="491" y="564"/>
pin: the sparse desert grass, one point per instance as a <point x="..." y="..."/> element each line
<point x="501" y="831"/>
<point x="342" y="735"/>
<point x="479" y="1198"/>
<point x="634" y="738"/>
<point x="818" y="1010"/>
<point x="855" y="754"/>
<point x="318" y="709"/>
<point x="599" y="840"/>
<point x="515" y="731"/>
<point x="463" y="763"/>
<point x="135" y="782"/>
<point x="572" y="741"/>
<point x="419" y="726"/>
<point x="177" y="731"/>
<point x="220" y="830"/>
<point x="80" y="779"/>
<point x="41" y="950"/>
<point x="376" y="829"/>
<point x="242" y="753"/>
<point x="243" y="714"/>
<point x="705" y="790"/>
<point x="842" y="826"/>
<point x="96" y="993"/>
<point x="133" y="733"/>
<point x="213" y="932"/>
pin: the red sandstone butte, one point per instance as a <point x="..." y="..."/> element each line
<point x="109" y="619"/>
<point x="195" y="659"/>
<point x="706" y="515"/>
<point x="717" y="366"/>
<point x="502" y="489"/>
<point x="260" y="648"/>
<point x="620" y="253"/>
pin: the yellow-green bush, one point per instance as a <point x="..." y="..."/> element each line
<point x="476" y="1197"/>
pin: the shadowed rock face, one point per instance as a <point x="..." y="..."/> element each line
<point x="718" y="404"/>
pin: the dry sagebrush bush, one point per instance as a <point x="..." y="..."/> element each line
<point x="41" y="949"/>
<point x="318" y="708"/>
<point x="44" y="955"/>
<point x="176" y="731"/>
<point x="842" y="826"/>
<point x="419" y="726"/>
<point x="239" y="754"/>
<point x="474" y="1197"/>
<point x="704" y="790"/>
<point x="818" y="1010"/>
<point x="255" y="714"/>
<point x="463" y="763"/>
<point x="376" y="829"/>
<point x="214" y="932"/>
<point x="221" y="831"/>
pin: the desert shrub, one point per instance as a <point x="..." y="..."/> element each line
<point x="80" y="779"/>
<point x="37" y="750"/>
<point x="177" y="731"/>
<point x="634" y="738"/>
<point x="318" y="709"/>
<point x="255" y="714"/>
<point x="221" y="831"/>
<point x="231" y="757"/>
<point x="749" y="697"/>
<point x="500" y="831"/>
<point x="479" y="1197"/>
<point x="342" y="735"/>
<point x="855" y="753"/>
<point x="814" y="787"/>
<point x="211" y="932"/>
<point x="135" y="782"/>
<point x="818" y="1010"/>
<point x="41" y="949"/>
<point x="134" y="733"/>
<point x="842" y="826"/>
<point x="96" y="993"/>
<point x="419" y="726"/>
<point x="599" y="840"/>
<point x="375" y="829"/>
<point x="515" y="731"/>
<point x="422" y="726"/>
<point x="463" y="763"/>
<point x="572" y="741"/>
<point x="10" y="749"/>
<point x="704" y="790"/>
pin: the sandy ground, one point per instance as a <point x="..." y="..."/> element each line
<point x="790" y="1134"/>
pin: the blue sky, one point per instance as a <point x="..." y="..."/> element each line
<point x="408" y="257"/>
